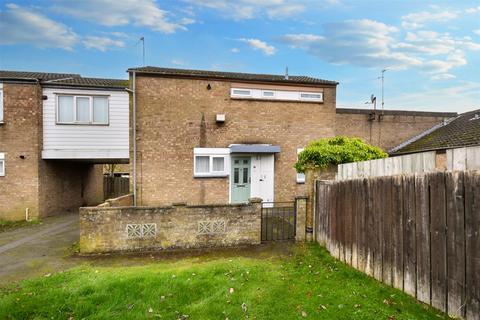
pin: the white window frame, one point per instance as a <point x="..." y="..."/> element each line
<point x="2" y="164"/>
<point x="241" y="95"/>
<point x="74" y="106"/>
<point x="268" y="97"/>
<point x="300" y="176"/>
<point x="311" y="99"/>
<point x="211" y="153"/>
<point x="1" y="103"/>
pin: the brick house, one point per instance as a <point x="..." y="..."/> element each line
<point x="222" y="137"/>
<point x="55" y="131"/>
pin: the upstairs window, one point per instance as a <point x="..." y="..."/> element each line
<point x="311" y="96"/>
<point x="1" y="103"/>
<point x="241" y="93"/>
<point x="82" y="109"/>
<point x="210" y="162"/>
<point x="2" y="164"/>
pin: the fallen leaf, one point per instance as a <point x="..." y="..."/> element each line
<point x="304" y="314"/>
<point x="244" y="307"/>
<point x="323" y="307"/>
<point x="150" y="310"/>
<point x="47" y="275"/>
<point x="231" y="290"/>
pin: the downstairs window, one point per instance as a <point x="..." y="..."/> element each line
<point x="210" y="162"/>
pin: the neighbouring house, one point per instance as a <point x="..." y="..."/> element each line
<point x="456" y="143"/>
<point x="56" y="132"/>
<point x="223" y="137"/>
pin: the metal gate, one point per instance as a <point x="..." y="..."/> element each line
<point x="279" y="220"/>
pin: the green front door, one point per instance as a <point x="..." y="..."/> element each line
<point x="240" y="180"/>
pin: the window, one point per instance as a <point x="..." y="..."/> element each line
<point x="82" y="109"/>
<point x="300" y="176"/>
<point x="241" y="92"/>
<point x="280" y="93"/>
<point x="2" y="164"/>
<point x="311" y="96"/>
<point x="268" y="94"/>
<point x="211" y="162"/>
<point x="1" y="103"/>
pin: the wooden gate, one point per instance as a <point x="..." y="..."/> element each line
<point x="114" y="187"/>
<point x="279" y="221"/>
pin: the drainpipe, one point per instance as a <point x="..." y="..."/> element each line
<point x="134" y="119"/>
<point x="134" y="138"/>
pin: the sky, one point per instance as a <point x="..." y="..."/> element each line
<point x="429" y="49"/>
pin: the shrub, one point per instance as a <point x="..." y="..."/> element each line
<point x="320" y="154"/>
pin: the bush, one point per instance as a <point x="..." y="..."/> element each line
<point x="320" y="154"/>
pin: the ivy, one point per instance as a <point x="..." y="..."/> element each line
<point x="320" y="154"/>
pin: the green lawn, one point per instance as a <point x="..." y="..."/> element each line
<point x="10" y="225"/>
<point x="307" y="284"/>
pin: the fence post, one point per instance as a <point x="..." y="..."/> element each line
<point x="301" y="213"/>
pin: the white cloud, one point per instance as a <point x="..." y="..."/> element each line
<point x="418" y="19"/>
<point x="473" y="10"/>
<point x="257" y="44"/>
<point x="142" y="13"/>
<point x="364" y="43"/>
<point x="477" y="32"/>
<point x="101" y="43"/>
<point x="178" y="62"/>
<point x="368" y="43"/>
<point x="235" y="50"/>
<point x="249" y="9"/>
<point x="460" y="97"/>
<point x="21" y="25"/>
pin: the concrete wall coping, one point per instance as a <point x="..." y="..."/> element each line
<point x="171" y="207"/>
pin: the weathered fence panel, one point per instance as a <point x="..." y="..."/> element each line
<point x="114" y="187"/>
<point x="419" y="233"/>
<point x="458" y="159"/>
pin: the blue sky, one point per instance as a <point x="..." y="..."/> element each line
<point x="431" y="49"/>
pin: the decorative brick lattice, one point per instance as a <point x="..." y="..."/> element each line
<point x="134" y="230"/>
<point x="147" y="230"/>
<point x="204" y="227"/>
<point x="211" y="227"/>
<point x="218" y="226"/>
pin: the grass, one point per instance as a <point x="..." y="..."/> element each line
<point x="6" y="225"/>
<point x="309" y="284"/>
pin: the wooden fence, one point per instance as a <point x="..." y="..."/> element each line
<point x="114" y="187"/>
<point x="456" y="159"/>
<point x="418" y="233"/>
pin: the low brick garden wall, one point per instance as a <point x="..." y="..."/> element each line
<point x="113" y="229"/>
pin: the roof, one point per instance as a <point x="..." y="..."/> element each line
<point x="219" y="75"/>
<point x="61" y="79"/>
<point x="462" y="131"/>
<point x="398" y="112"/>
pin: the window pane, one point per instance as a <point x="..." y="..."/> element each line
<point x="65" y="109"/>
<point x="202" y="164"/>
<point x="314" y="96"/>
<point x="241" y="92"/>
<point x="83" y="109"/>
<point x="268" y="93"/>
<point x="245" y="175"/>
<point x="2" y="167"/>
<point x="100" y="109"/>
<point x="218" y="164"/>
<point x="235" y="175"/>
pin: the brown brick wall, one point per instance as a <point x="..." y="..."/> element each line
<point x="104" y="229"/>
<point x="44" y="187"/>
<point x="20" y="136"/>
<point x="387" y="133"/>
<point x="169" y="115"/>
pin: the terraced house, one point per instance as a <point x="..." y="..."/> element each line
<point x="222" y="137"/>
<point x="55" y="130"/>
